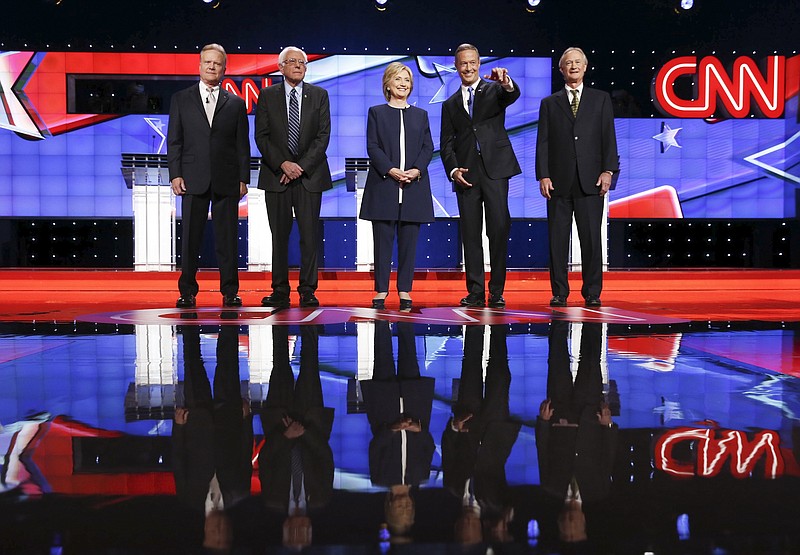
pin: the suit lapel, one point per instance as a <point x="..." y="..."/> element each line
<point x="197" y="100"/>
<point x="480" y="92"/>
<point x="305" y="106"/>
<point x="458" y="104"/>
<point x="223" y="98"/>
<point x="563" y="103"/>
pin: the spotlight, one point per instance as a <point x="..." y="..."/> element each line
<point x="381" y="5"/>
<point x="687" y="4"/>
<point x="532" y="5"/>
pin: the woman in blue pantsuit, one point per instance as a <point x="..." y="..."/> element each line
<point x="397" y="193"/>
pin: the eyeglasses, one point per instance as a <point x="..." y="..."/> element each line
<point x="294" y="61"/>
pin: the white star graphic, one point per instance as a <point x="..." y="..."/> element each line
<point x="157" y="126"/>
<point x="667" y="137"/>
<point x="754" y="159"/>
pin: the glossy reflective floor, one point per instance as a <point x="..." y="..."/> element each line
<point x="425" y="432"/>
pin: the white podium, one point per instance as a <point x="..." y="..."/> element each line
<point x="355" y="173"/>
<point x="153" y="211"/>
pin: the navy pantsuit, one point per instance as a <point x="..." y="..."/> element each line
<point x="381" y="202"/>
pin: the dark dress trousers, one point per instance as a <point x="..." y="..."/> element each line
<point x="212" y="160"/>
<point x="573" y="152"/>
<point x="381" y="200"/>
<point x="304" y="194"/>
<point x="489" y="171"/>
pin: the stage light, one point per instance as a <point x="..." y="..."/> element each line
<point x="532" y="5"/>
<point x="687" y="4"/>
<point x="381" y="5"/>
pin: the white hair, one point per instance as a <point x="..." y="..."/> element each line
<point x="285" y="52"/>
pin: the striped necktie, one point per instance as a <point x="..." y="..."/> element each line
<point x="294" y="122"/>
<point x="575" y="102"/>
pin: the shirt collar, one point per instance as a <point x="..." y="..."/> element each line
<point x="204" y="88"/>
<point x="580" y="91"/>
<point x="287" y="88"/>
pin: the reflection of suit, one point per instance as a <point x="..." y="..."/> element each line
<point x="489" y="171"/>
<point x="303" y="194"/>
<point x="301" y="401"/>
<point x="212" y="160"/>
<point x="586" y="451"/>
<point x="381" y="195"/>
<point x="217" y="438"/>
<point x="573" y="151"/>
<point x="480" y="452"/>
<point x="382" y="397"/>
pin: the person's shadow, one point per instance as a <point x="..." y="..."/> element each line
<point x="398" y="402"/>
<point x="478" y="439"/>
<point x="295" y="464"/>
<point x="212" y="437"/>
<point x="575" y="436"/>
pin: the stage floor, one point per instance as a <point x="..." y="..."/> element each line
<point x="699" y="372"/>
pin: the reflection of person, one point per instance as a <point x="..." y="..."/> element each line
<point x="295" y="464"/>
<point x="478" y="158"/>
<point x="398" y="404"/>
<point x="479" y="437"/>
<point x="293" y="127"/>
<point x="212" y="439"/>
<point x="397" y="194"/>
<point x="575" y="436"/>
<point x="576" y="156"/>
<point x="208" y="152"/>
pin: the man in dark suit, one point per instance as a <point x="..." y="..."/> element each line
<point x="293" y="128"/>
<point x="208" y="153"/>
<point x="478" y="158"/>
<point x="576" y="157"/>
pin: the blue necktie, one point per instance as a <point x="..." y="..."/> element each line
<point x="470" y="101"/>
<point x="294" y="122"/>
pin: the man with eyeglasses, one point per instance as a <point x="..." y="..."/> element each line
<point x="293" y="128"/>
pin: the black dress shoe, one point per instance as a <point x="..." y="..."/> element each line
<point x="277" y="301"/>
<point x="497" y="301"/>
<point x="186" y="301"/>
<point x="558" y="300"/>
<point x="473" y="300"/>
<point x="406" y="304"/>
<point x="379" y="304"/>
<point x="231" y="300"/>
<point x="308" y="299"/>
<point x="593" y="301"/>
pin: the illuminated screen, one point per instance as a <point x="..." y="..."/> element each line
<point x="58" y="160"/>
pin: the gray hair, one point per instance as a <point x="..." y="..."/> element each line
<point x="573" y="49"/>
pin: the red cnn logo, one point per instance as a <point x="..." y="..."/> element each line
<point x="714" y="448"/>
<point x="735" y="92"/>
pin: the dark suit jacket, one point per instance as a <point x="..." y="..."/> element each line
<point x="383" y="147"/>
<point x="206" y="156"/>
<point x="272" y="133"/>
<point x="487" y="126"/>
<point x="587" y="142"/>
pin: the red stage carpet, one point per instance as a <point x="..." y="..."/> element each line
<point x="718" y="295"/>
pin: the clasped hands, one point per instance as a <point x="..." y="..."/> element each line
<point x="404" y="177"/>
<point x="294" y="429"/>
<point x="406" y="423"/>
<point x="291" y="171"/>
